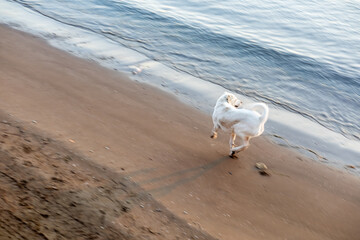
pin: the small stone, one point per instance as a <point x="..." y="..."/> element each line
<point x="261" y="166"/>
<point x="107" y="148"/>
<point x="185" y="212"/>
<point x="34" y="121"/>
<point x="350" y="166"/>
<point x="52" y="188"/>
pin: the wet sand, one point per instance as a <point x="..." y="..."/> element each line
<point x="151" y="144"/>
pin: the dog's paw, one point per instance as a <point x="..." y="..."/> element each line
<point x="232" y="154"/>
<point x="214" y="136"/>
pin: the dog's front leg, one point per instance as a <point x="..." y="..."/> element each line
<point x="214" y="131"/>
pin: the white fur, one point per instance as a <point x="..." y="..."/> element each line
<point x="245" y="122"/>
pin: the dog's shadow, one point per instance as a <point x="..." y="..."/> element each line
<point x="179" y="178"/>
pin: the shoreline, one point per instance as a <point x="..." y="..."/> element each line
<point x="299" y="133"/>
<point x="164" y="146"/>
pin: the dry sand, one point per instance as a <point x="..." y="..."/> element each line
<point x="47" y="192"/>
<point x="125" y="140"/>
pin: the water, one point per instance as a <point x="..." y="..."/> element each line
<point x="299" y="56"/>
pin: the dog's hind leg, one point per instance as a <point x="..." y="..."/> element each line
<point x="245" y="144"/>
<point x="232" y="142"/>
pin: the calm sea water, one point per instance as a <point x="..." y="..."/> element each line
<point x="302" y="56"/>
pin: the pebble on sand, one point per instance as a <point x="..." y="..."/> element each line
<point x="262" y="169"/>
<point x="350" y="166"/>
<point x="261" y="166"/>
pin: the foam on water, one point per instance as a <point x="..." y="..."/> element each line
<point x="284" y="127"/>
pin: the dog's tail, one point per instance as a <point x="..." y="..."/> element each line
<point x="262" y="109"/>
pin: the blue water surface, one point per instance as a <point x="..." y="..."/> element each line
<point x="303" y="56"/>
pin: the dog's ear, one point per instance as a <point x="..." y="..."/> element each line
<point x="228" y="97"/>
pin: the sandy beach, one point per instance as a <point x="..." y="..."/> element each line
<point x="87" y="153"/>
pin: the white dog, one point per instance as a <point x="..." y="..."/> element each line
<point x="245" y="121"/>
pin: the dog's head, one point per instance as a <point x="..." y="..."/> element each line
<point x="232" y="99"/>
